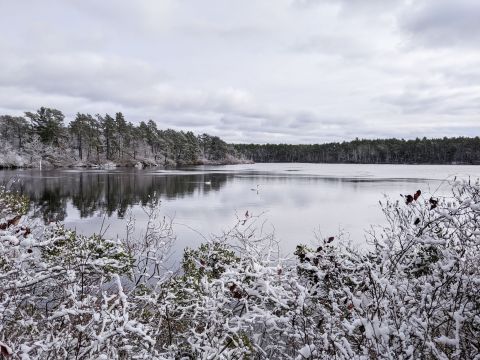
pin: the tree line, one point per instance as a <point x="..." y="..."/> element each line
<point x="96" y="139"/>
<point x="461" y="150"/>
<point x="101" y="138"/>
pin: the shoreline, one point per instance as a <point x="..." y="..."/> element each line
<point x="138" y="165"/>
<point x="144" y="165"/>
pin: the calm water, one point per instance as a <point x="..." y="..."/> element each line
<point x="298" y="200"/>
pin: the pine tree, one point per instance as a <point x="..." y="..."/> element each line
<point x="48" y="124"/>
<point x="108" y="127"/>
<point x="80" y="128"/>
<point x="14" y="128"/>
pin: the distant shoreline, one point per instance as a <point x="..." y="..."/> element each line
<point x="451" y="151"/>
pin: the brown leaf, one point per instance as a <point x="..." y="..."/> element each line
<point x="14" y="221"/>
<point x="417" y="195"/>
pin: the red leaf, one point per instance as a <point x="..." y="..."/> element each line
<point x="5" y="350"/>
<point x="417" y="195"/>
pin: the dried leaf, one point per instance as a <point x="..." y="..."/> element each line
<point x="417" y="195"/>
<point x="5" y="350"/>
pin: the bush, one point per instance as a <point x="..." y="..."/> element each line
<point x="413" y="294"/>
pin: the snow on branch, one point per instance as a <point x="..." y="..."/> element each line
<point x="414" y="294"/>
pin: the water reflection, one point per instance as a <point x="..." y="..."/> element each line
<point x="112" y="193"/>
<point x="298" y="200"/>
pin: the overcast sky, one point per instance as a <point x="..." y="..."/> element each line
<point x="297" y="71"/>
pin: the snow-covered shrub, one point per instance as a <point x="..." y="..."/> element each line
<point x="61" y="294"/>
<point x="12" y="204"/>
<point x="414" y="294"/>
<point x="421" y="291"/>
<point x="9" y="157"/>
<point x="232" y="297"/>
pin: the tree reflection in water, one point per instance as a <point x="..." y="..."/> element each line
<point x="104" y="193"/>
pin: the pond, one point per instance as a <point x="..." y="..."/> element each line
<point x="299" y="202"/>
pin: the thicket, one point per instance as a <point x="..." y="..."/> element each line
<point x="414" y="294"/>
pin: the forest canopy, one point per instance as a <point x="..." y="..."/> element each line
<point x="457" y="150"/>
<point x="88" y="139"/>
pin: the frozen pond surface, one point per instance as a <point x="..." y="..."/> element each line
<point x="296" y="200"/>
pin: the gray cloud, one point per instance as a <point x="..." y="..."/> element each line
<point x="446" y="102"/>
<point x="350" y="5"/>
<point x="254" y="71"/>
<point x="86" y="75"/>
<point x="443" y="23"/>
<point x="334" y="45"/>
